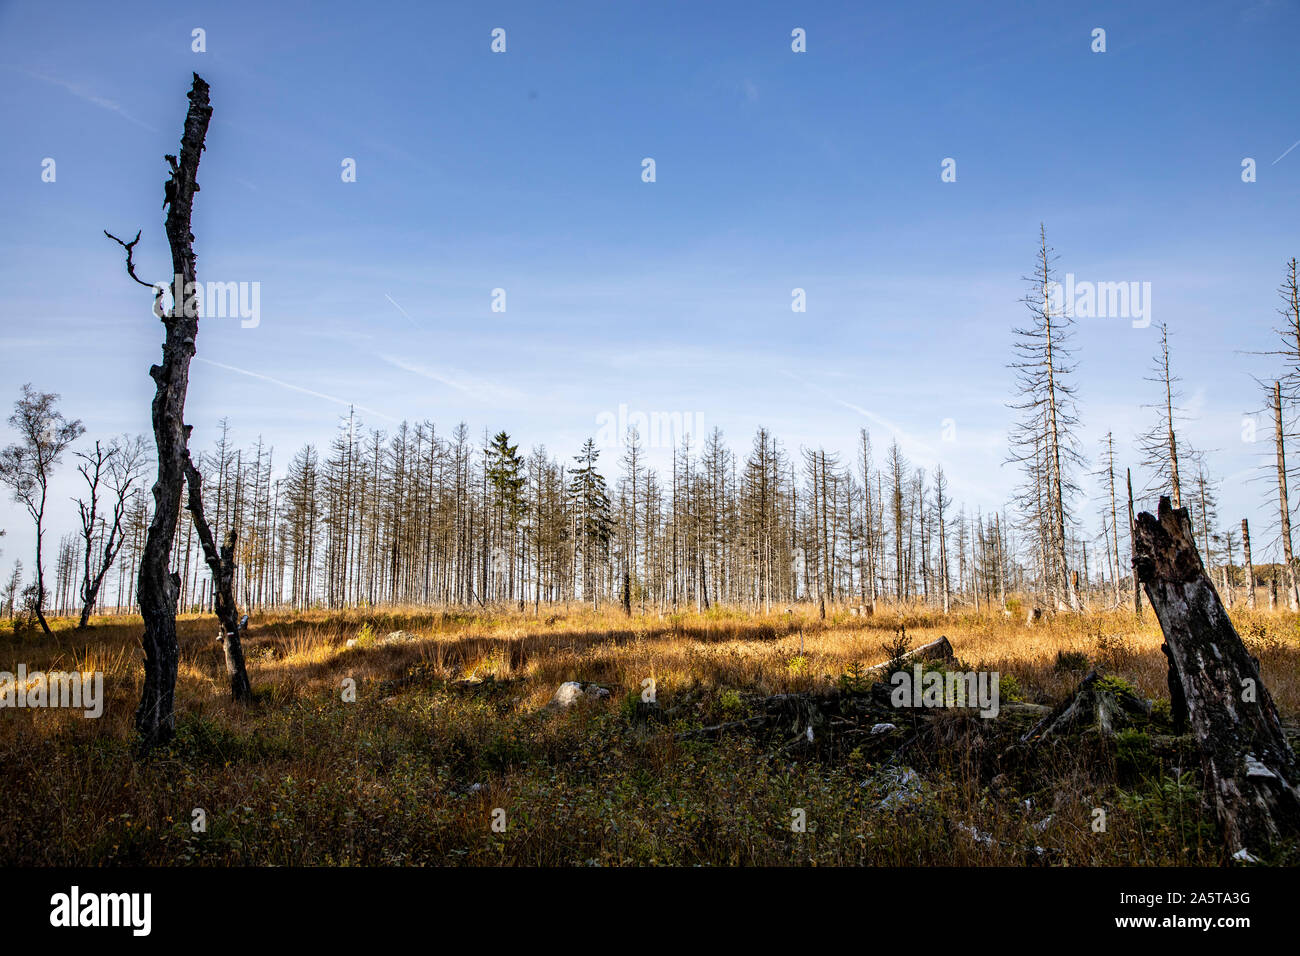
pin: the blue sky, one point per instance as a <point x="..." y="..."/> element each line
<point x="775" y="170"/>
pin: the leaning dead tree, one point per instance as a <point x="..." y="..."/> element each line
<point x="1253" y="776"/>
<point x="158" y="588"/>
<point x="222" y="565"/>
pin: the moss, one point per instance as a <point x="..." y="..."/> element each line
<point x="1117" y="685"/>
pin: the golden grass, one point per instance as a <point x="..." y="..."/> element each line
<point x="301" y="777"/>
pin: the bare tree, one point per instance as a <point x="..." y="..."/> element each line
<point x="222" y="566"/>
<point x="1284" y="507"/>
<point x="25" y="466"/>
<point x="1159" y="446"/>
<point x="1250" y="564"/>
<point x="119" y="466"/>
<point x="940" y="511"/>
<point x="1132" y="531"/>
<point x="1289" y="332"/>
<point x="12" y="589"/>
<point x="1108" y="472"/>
<point x="1043" y="442"/>
<point x="159" y="589"/>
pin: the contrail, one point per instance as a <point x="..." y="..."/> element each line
<point x="1283" y="156"/>
<point x="399" y="308"/>
<point x="295" y="388"/>
<point x="81" y="93"/>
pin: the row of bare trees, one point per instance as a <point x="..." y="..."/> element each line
<point x="1054" y="547"/>
<point x="418" y="518"/>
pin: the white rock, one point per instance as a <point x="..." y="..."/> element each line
<point x="567" y="694"/>
<point x="883" y="728"/>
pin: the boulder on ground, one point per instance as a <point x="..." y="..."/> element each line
<point x="570" y="692"/>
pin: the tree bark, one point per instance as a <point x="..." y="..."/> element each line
<point x="1250" y="565"/>
<point x="157" y="588"/>
<point x="1132" y="538"/>
<point x="1284" y="501"/>
<point x="222" y="566"/>
<point x="1253" y="776"/>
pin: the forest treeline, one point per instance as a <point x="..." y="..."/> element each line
<point x="424" y="516"/>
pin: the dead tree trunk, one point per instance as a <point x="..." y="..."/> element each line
<point x="157" y="588"/>
<point x="1284" y="500"/>
<point x="1253" y="776"/>
<point x="1132" y="533"/>
<point x="1250" y="564"/>
<point x="222" y="566"/>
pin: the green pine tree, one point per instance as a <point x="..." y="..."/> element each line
<point x="590" y="502"/>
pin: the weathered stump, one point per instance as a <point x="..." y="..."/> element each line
<point x="1253" y="775"/>
<point x="1096" y="704"/>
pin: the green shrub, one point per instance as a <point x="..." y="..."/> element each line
<point x="855" y="680"/>
<point x="729" y="702"/>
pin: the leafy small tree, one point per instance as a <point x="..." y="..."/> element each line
<point x="25" y="467"/>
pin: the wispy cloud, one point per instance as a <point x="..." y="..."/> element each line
<point x="87" y="95"/>
<point x="296" y="388"/>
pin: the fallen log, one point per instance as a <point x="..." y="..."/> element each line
<point x="940" y="650"/>
<point x="1253" y="775"/>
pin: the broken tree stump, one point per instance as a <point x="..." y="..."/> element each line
<point x="222" y="565"/>
<point x="1252" y="772"/>
<point x="1106" y="706"/>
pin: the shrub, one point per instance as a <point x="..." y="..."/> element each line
<point x="897" y="651"/>
<point x="729" y="702"/>
<point x="1070" y="661"/>
<point x="855" y="680"/>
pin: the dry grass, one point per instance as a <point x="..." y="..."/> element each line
<point x="301" y="777"/>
